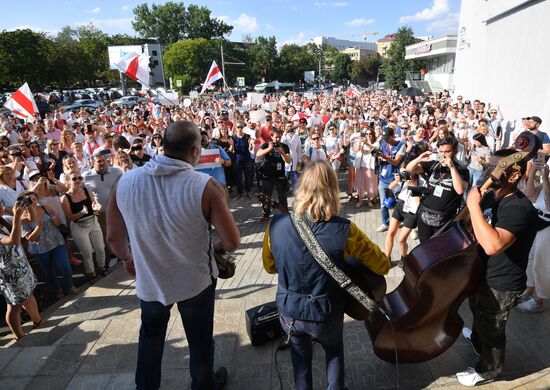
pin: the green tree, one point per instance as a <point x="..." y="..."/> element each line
<point x="199" y="24"/>
<point x="294" y="60"/>
<point x="394" y="66"/>
<point x="263" y="58"/>
<point x="171" y="22"/>
<point x="342" y="67"/>
<point x="191" y="58"/>
<point x="365" y="70"/>
<point x="25" y="56"/>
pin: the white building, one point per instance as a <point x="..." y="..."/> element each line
<point x="439" y="55"/>
<point x="341" y="44"/>
<point x="503" y="56"/>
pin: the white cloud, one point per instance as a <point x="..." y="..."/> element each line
<point x="445" y="26"/>
<point x="52" y="32"/>
<point x="95" y="10"/>
<point x="125" y="7"/>
<point x="438" y="9"/>
<point x="331" y="4"/>
<point x="244" y="23"/>
<point x="299" y="39"/>
<point x="294" y="8"/>
<point x="360" y="22"/>
<point x="124" y="24"/>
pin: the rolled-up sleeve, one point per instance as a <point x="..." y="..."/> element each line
<point x="360" y="246"/>
<point x="267" y="256"/>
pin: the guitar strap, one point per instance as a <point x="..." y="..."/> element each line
<point x="306" y="234"/>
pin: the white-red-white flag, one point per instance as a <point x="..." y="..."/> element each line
<point x="22" y="104"/>
<point x="154" y="110"/>
<point x="136" y="67"/>
<point x="214" y="75"/>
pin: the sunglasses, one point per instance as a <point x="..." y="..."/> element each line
<point x="77" y="178"/>
<point x="315" y="139"/>
<point x="239" y="127"/>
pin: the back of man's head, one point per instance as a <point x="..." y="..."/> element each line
<point x="179" y="139"/>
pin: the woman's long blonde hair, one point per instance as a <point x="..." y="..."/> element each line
<point x="317" y="195"/>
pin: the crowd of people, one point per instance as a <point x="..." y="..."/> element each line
<point x="413" y="158"/>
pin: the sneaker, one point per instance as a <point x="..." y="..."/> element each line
<point x="470" y="377"/>
<point x="530" y="307"/>
<point x="75" y="261"/>
<point x="382" y="228"/>
<point x="220" y="377"/>
<point x="467" y="334"/>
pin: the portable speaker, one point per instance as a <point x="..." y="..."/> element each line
<point x="262" y="323"/>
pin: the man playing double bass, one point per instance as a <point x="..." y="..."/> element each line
<point x="503" y="223"/>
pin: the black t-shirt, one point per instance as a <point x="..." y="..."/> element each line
<point x="140" y="161"/>
<point x="443" y="196"/>
<point x="274" y="166"/>
<point x="516" y="214"/>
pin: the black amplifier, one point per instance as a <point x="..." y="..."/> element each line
<point x="262" y="323"/>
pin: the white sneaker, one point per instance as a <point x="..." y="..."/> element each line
<point x="467" y="334"/>
<point x="382" y="228"/>
<point x="469" y="377"/>
<point x="530" y="306"/>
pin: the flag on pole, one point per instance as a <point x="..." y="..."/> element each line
<point x="136" y="67"/>
<point x="22" y="104"/>
<point x="214" y="75"/>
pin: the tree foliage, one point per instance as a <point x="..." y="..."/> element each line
<point x="294" y="60"/>
<point x="341" y="67"/>
<point x="365" y="70"/>
<point x="394" y="66"/>
<point x="171" y="22"/>
<point x="189" y="60"/>
<point x="263" y="57"/>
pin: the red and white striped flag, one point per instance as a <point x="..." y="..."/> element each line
<point x="214" y="75"/>
<point x="22" y="104"/>
<point x="136" y="67"/>
<point x="153" y="109"/>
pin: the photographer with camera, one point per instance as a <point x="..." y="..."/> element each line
<point x="447" y="182"/>
<point x="389" y="155"/>
<point x="404" y="212"/>
<point x="275" y="155"/>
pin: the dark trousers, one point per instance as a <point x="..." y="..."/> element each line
<point x="197" y="315"/>
<point x="330" y="336"/>
<point x="491" y="308"/>
<point x="267" y="189"/>
<point x="243" y="168"/>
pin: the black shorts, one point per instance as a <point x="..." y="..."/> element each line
<point x="408" y="219"/>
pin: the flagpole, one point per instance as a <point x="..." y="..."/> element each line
<point x="223" y="75"/>
<point x="122" y="85"/>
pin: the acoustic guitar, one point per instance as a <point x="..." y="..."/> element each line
<point x="372" y="284"/>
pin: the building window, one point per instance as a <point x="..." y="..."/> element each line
<point x="154" y="52"/>
<point x="155" y="62"/>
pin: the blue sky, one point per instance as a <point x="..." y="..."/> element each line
<point x="290" y="21"/>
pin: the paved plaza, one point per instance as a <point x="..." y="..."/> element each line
<point x="90" y="341"/>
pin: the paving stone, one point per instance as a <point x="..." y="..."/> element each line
<point x="105" y="358"/>
<point x="7" y="355"/>
<point x="49" y="382"/>
<point x="28" y="362"/>
<point x="15" y="383"/>
<point x="86" y="332"/>
<point x="64" y="359"/>
<point x="89" y="381"/>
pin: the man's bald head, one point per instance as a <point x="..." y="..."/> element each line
<point x="179" y="139"/>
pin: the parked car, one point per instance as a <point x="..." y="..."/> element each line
<point x="129" y="101"/>
<point x="88" y="102"/>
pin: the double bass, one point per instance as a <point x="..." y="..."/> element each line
<point x="419" y="320"/>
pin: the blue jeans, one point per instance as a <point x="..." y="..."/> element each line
<point x="385" y="211"/>
<point x="56" y="258"/>
<point x="293" y="176"/>
<point x="197" y="315"/>
<point x="475" y="177"/>
<point x="330" y="336"/>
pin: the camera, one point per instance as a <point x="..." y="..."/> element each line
<point x="375" y="151"/>
<point x="26" y="202"/>
<point x="277" y="144"/>
<point x="405" y="175"/>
